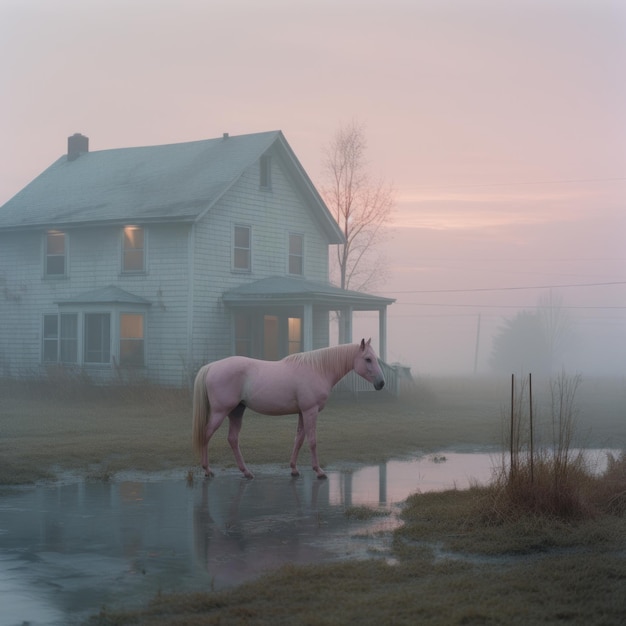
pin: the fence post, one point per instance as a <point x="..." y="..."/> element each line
<point x="512" y="460"/>
<point x="530" y="412"/>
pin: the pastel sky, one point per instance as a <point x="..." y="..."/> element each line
<point x="502" y="126"/>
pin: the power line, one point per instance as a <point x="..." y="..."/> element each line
<point x="596" y="319"/>
<point x="511" y="306"/>
<point x="480" y="289"/>
<point x="521" y="183"/>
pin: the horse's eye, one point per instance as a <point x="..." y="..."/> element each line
<point x="368" y="360"/>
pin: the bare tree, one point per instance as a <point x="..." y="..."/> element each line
<point x="361" y="205"/>
<point x="557" y="325"/>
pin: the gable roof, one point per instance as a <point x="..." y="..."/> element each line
<point x="173" y="182"/>
<point x="287" y="290"/>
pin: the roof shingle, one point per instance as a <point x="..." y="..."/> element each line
<point x="174" y="182"/>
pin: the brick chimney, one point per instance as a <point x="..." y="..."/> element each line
<point x="76" y="144"/>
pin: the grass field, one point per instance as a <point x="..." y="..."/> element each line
<point x="459" y="558"/>
<point x="47" y="429"/>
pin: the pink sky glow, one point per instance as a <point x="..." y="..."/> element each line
<point x="502" y="126"/>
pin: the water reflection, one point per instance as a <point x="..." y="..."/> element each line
<point x="392" y="482"/>
<point x="243" y="528"/>
<point x="66" y="550"/>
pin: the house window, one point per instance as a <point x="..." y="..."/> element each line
<point x="68" y="338"/>
<point x="133" y="249"/>
<point x="266" y="172"/>
<point x="296" y="254"/>
<point x="241" y="248"/>
<point x="243" y="335"/>
<point x="97" y="338"/>
<point x="50" y="338"/>
<point x="55" y="253"/>
<point x="131" y="340"/>
<point x="60" y="338"/>
<point x="294" y="328"/>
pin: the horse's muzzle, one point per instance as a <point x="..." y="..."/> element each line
<point x="379" y="384"/>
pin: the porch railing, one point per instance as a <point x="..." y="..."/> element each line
<point x="396" y="377"/>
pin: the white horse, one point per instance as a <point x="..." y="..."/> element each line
<point x="299" y="383"/>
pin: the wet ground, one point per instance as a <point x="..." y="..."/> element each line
<point x="71" y="548"/>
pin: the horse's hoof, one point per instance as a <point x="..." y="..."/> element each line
<point x="295" y="474"/>
<point x="248" y="475"/>
<point x="322" y="476"/>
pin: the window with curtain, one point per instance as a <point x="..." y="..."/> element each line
<point x="131" y="340"/>
<point x="133" y="256"/>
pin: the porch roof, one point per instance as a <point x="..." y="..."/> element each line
<point x="286" y="290"/>
<point x="106" y="295"/>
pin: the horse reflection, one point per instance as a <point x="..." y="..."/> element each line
<point x="238" y="534"/>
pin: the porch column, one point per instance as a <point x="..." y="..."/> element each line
<point x="382" y="483"/>
<point x="346" y="316"/>
<point x="307" y="327"/>
<point x="382" y="333"/>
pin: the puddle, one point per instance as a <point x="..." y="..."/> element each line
<point x="68" y="549"/>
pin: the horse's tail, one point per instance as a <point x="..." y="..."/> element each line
<point x="201" y="409"/>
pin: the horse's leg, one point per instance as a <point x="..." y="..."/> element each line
<point x="293" y="463"/>
<point x="309" y="419"/>
<point x="215" y="421"/>
<point x="236" y="419"/>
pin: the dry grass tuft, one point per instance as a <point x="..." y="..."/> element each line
<point x="552" y="490"/>
<point x="609" y="491"/>
<point x="557" y="481"/>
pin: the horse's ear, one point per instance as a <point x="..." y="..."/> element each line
<point x="362" y="344"/>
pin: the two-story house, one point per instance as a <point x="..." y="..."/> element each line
<point x="148" y="262"/>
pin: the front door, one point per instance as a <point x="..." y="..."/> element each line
<point x="281" y="336"/>
<point x="271" y="335"/>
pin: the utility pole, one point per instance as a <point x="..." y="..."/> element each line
<point x="477" y="344"/>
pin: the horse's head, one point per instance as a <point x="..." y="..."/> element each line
<point x="366" y="365"/>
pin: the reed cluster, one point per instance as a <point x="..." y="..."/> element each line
<point x="553" y="478"/>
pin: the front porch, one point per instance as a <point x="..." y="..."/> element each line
<point x="277" y="316"/>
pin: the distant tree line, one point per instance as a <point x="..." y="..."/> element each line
<point x="533" y="341"/>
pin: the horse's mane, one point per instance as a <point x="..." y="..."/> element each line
<point x="337" y="358"/>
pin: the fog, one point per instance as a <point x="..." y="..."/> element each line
<point x="455" y="288"/>
<point x="501" y="125"/>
